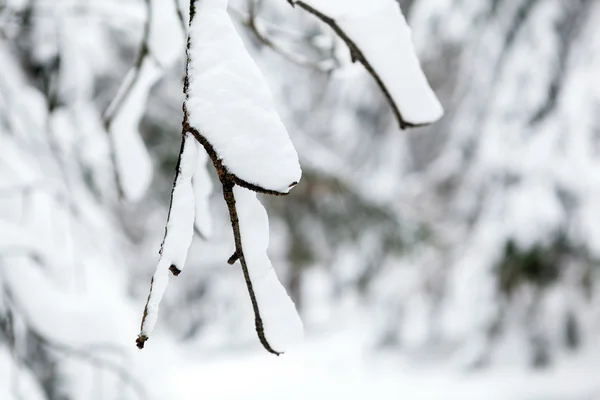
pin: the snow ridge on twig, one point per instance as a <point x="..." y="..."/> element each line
<point x="378" y="37"/>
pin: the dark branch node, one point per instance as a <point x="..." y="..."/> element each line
<point x="174" y="270"/>
<point x="141" y="341"/>
<point x="234" y="257"/>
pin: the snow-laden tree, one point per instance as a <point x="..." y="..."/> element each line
<point x="228" y="109"/>
<point x="72" y="150"/>
<point x="473" y="239"/>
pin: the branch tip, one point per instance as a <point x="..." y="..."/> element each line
<point x="174" y="270"/>
<point x="234" y="257"/>
<point x="141" y="341"/>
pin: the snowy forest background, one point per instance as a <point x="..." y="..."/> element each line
<point x="460" y="260"/>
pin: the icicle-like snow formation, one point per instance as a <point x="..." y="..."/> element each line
<point x="379" y="37"/>
<point x="230" y="104"/>
<point x="280" y="321"/>
<point x="203" y="188"/>
<point x="132" y="161"/>
<point x="163" y="45"/>
<point x="178" y="234"/>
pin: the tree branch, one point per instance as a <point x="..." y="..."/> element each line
<point x="126" y="87"/>
<point x="357" y="55"/>
<point x="252" y="23"/>
<point x="235" y="224"/>
<point x="228" y="181"/>
<point x="180" y="16"/>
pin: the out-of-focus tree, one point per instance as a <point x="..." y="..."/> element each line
<point x="458" y="240"/>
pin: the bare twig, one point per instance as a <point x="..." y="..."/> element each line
<point x="254" y="25"/>
<point x="180" y="16"/>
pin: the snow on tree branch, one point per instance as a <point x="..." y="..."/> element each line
<point x="260" y="32"/>
<point x="178" y="234"/>
<point x="277" y="323"/>
<point x="161" y="45"/>
<point x="231" y="105"/>
<point x="132" y="163"/>
<point x="228" y="110"/>
<point x="379" y="38"/>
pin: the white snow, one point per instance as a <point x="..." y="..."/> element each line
<point x="231" y="105"/>
<point x="132" y="160"/>
<point x="380" y="31"/>
<point x="203" y="188"/>
<point x="283" y="327"/>
<point x="166" y="40"/>
<point x="165" y="45"/>
<point x="341" y="365"/>
<point x="178" y="234"/>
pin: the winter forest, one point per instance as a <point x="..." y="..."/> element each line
<point x="386" y="199"/>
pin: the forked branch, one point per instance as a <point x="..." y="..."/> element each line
<point x="228" y="181"/>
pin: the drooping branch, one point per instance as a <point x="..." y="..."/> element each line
<point x="235" y="224"/>
<point x="255" y="154"/>
<point x="358" y="54"/>
<point x="228" y="181"/>
<point x="178" y="235"/>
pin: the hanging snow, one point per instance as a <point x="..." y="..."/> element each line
<point x="230" y="104"/>
<point x="379" y="37"/>
<point x="162" y="46"/>
<point x="132" y="161"/>
<point x="274" y="310"/>
<point x="178" y="234"/>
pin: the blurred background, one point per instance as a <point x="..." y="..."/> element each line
<point x="457" y="261"/>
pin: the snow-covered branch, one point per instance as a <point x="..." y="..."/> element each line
<point x="379" y="38"/>
<point x="228" y="109"/>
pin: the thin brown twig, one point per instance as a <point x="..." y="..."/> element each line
<point x="252" y="23"/>
<point x="228" y="181"/>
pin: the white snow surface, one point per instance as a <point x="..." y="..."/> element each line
<point x="340" y="365"/>
<point x="231" y="105"/>
<point x="203" y="188"/>
<point x="283" y="327"/>
<point x="381" y="32"/>
<point x="179" y="231"/>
